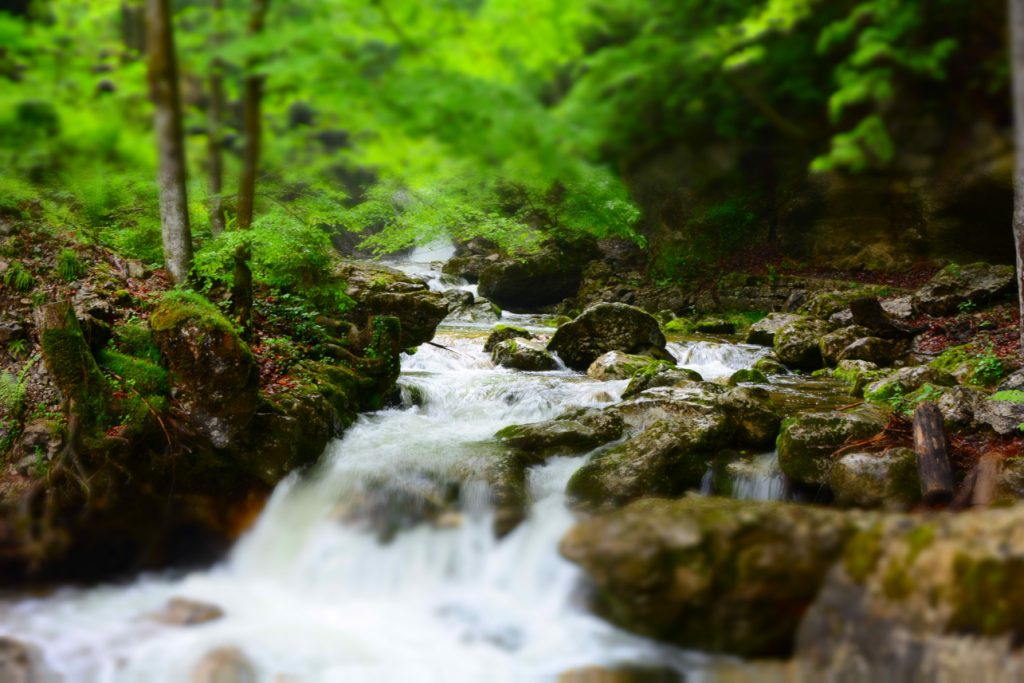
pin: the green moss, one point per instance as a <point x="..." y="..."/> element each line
<point x="748" y="375"/>
<point x="75" y="372"/>
<point x="144" y="376"/>
<point x="988" y="595"/>
<point x="861" y="554"/>
<point x="982" y="368"/>
<point x="1011" y="395"/>
<point x="679" y="326"/>
<point x="135" y="339"/>
<point x="179" y="305"/>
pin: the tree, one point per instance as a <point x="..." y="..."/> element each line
<point x="163" y="85"/>
<point x="1017" y="63"/>
<point x="215" y="116"/>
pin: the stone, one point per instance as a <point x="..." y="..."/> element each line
<point x="503" y="333"/>
<point x="660" y="375"/>
<point x="1012" y="382"/>
<point x="186" y="612"/>
<point x="856" y="374"/>
<point x="618" y="365"/>
<point x="754" y="419"/>
<point x="807" y="441"/>
<point x="16" y="661"/>
<point x="532" y="280"/>
<point x="576" y="431"/>
<point x="873" y="480"/>
<point x="957" y="405"/>
<point x="900" y="308"/>
<point x="749" y="375"/>
<point x="608" y="327"/>
<point x="714" y="326"/>
<point x="711" y="574"/>
<point x="833" y="343"/>
<point x="882" y="352"/>
<point x="1004" y="416"/>
<point x="907" y="380"/>
<point x="797" y="344"/>
<point x="763" y="331"/>
<point x="11" y="330"/>
<point x="690" y="401"/>
<point x="468" y="267"/>
<point x="506" y="477"/>
<point x="956" y="284"/>
<point x="523" y="354"/>
<point x="477" y="310"/>
<point x="224" y="665"/>
<point x="770" y="366"/>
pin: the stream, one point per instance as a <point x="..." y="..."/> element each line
<point x="380" y="564"/>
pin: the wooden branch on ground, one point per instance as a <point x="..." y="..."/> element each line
<point x="932" y="455"/>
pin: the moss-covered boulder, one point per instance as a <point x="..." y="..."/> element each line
<point x="857" y="374"/>
<point x="682" y="403"/>
<point x="763" y="331"/>
<point x="660" y="375"/>
<point x="576" y="431"/>
<point x="710" y="573"/>
<point x="956" y="284"/>
<point x="905" y="381"/>
<point x="770" y="366"/>
<point x="608" y="327"/>
<point x="958" y="404"/>
<point x="754" y="419"/>
<point x="214" y="375"/>
<point x="504" y="333"/>
<point x="873" y="480"/>
<point x="618" y="365"/>
<point x="806" y="442"/>
<point x="747" y="376"/>
<point x="714" y="326"/>
<point x="833" y="343"/>
<point x="881" y="352"/>
<point x="797" y="344"/>
<point x="523" y="354"/>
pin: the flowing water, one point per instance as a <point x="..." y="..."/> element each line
<point x="381" y="565"/>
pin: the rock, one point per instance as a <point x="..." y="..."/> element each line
<point x="214" y="376"/>
<point x="749" y="375"/>
<point x="503" y="333"/>
<point x="900" y="308"/>
<point x="621" y="674"/>
<point x="617" y="365"/>
<point x="923" y="597"/>
<point x="506" y="477"/>
<point x="1013" y="382"/>
<point x="137" y="270"/>
<point x="1004" y="415"/>
<point x="763" y="331"/>
<point x="523" y="354"/>
<point x="957" y="405"/>
<point x="224" y="665"/>
<point x="529" y="281"/>
<point x="806" y="442"/>
<point x="797" y="344"/>
<point x="381" y="291"/>
<point x="186" y="612"/>
<point x="388" y="505"/>
<point x="11" y="330"/>
<point x="715" y="326"/>
<point x="833" y="343"/>
<point x="576" y="431"/>
<point x="464" y="307"/>
<point x="660" y="375"/>
<point x="608" y="327"/>
<point x="856" y="374"/>
<point x="882" y="352"/>
<point x="468" y="267"/>
<point x="770" y="366"/>
<point x="905" y="381"/>
<point x="16" y="662"/>
<point x="690" y="401"/>
<point x="40" y="440"/>
<point x="872" y="480"/>
<point x="956" y="284"/>
<point x="709" y="573"/>
<point x="755" y="422"/>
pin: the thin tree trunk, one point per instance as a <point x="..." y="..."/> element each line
<point x="1017" y="57"/>
<point x="241" y="294"/>
<point x="163" y="85"/>
<point x="215" y="116"/>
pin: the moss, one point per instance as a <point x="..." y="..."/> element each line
<point x="748" y="375"/>
<point x="862" y="553"/>
<point x="679" y="326"/>
<point x="135" y="339"/>
<point x="180" y="305"/>
<point x="1011" y="395"/>
<point x="75" y="372"/>
<point x="988" y="595"/>
<point x="144" y="376"/>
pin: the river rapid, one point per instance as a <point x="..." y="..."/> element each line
<point x="355" y="572"/>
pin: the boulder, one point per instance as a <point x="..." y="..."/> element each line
<point x="770" y="366"/>
<point x="186" y="612"/>
<point x="576" y="431"/>
<point x="763" y="331"/>
<point x="10" y="330"/>
<point x="523" y="354"/>
<point x="468" y="267"/>
<point x="617" y="365"/>
<point x="224" y="665"/>
<point x="504" y="333"/>
<point x="957" y="405"/>
<point x="806" y="442"/>
<point x="690" y="401"/>
<point x="907" y="380"/>
<point x="17" y="662"/>
<point x="754" y="419"/>
<point x="506" y="477"/>
<point x="882" y="352"/>
<point x="956" y="284"/>
<point x="529" y="281"/>
<point x="660" y="375"/>
<point x="1003" y="411"/>
<point x="214" y="376"/>
<point x="900" y="308"/>
<point x="856" y="374"/>
<point x="709" y="573"/>
<point x="833" y="343"/>
<point x="873" y="480"/>
<point x="797" y="344"/>
<point x="714" y="326"/>
<point x="470" y="309"/>
<point x="608" y="327"/>
<point x="749" y="376"/>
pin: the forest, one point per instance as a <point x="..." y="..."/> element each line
<point x="588" y="341"/>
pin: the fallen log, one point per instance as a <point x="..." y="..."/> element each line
<point x="932" y="450"/>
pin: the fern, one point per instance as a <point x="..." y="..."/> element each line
<point x="18" y="277"/>
<point x="13" y="390"/>
<point x="68" y="265"/>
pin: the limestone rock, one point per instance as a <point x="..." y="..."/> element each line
<point x="956" y="284"/>
<point x="608" y="327"/>
<point x="1005" y="416"/>
<point x="797" y="344"/>
<point x="807" y="441"/>
<point x="907" y="380"/>
<point x="504" y="333"/>
<point x="523" y="354"/>
<point x="576" y="431"/>
<point x="882" y="352"/>
<point x="871" y="480"/>
<point x="186" y="612"/>
<point x="660" y="375"/>
<point x="617" y="365"/>
<point x="833" y="343"/>
<point x="763" y="331"/>
<point x="528" y="281"/>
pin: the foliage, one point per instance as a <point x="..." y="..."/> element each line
<point x="17" y="277"/>
<point x="68" y="265"/>
<point x="1011" y="395"/>
<point x="13" y="390"/>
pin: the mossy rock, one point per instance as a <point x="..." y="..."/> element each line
<point x="857" y="374"/>
<point x="875" y="480"/>
<point x="714" y="326"/>
<point x="608" y="327"/>
<point x="833" y="343"/>
<point x="523" y="354"/>
<point x="618" y="365"/>
<point x="660" y="374"/>
<point x="905" y="381"/>
<point x="747" y="376"/>
<point x="797" y="344"/>
<point x="806" y="442"/>
<point x="576" y="431"/>
<point x="770" y="366"/>
<point x="142" y="375"/>
<point x="504" y="333"/>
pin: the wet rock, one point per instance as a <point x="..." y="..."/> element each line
<point x="186" y="612"/>
<point x="806" y="442"/>
<point x="1004" y="415"/>
<point x="16" y="662"/>
<point x="464" y="307"/>
<point x="214" y="376"/>
<point x="770" y="366"/>
<point x="1013" y="382"/>
<point x="709" y="573"/>
<point x="608" y="327"/>
<point x="690" y="401"/>
<point x="523" y="354"/>
<point x="714" y="326"/>
<point x="882" y="352"/>
<point x="623" y="674"/>
<point x="506" y="477"/>
<point x="872" y="480"/>
<point x="468" y="267"/>
<point x="833" y="343"/>
<point x="528" y="281"/>
<point x="763" y="331"/>
<point x="224" y="665"/>
<point x="957" y="405"/>
<point x="905" y="381"/>
<point x="856" y="374"/>
<point x="755" y="421"/>
<point x="576" y="431"/>
<point x="956" y="284"/>
<point x="11" y="330"/>
<point x="797" y="344"/>
<point x="504" y="333"/>
<point x="660" y="375"/>
<point x="748" y="375"/>
<point x="617" y="365"/>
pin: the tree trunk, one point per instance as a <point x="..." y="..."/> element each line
<point x="133" y="26"/>
<point x="253" y="93"/>
<point x="932" y="455"/>
<point x="1017" y="57"/>
<point x="215" y="116"/>
<point x="163" y="85"/>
